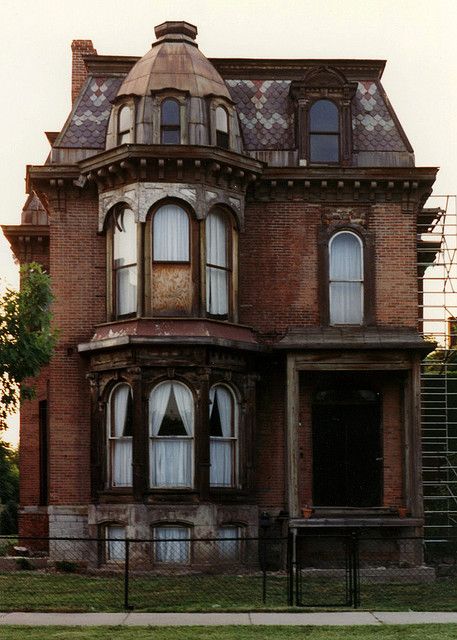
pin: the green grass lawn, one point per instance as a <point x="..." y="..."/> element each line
<point x="37" y="591"/>
<point x="394" y="632"/>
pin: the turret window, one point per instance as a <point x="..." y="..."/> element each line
<point x="324" y="132"/>
<point x="124" y="125"/>
<point x="222" y="132"/>
<point x="170" y="130"/>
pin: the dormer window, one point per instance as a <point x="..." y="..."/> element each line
<point x="324" y="132"/>
<point x="170" y="126"/>
<point x="222" y="132"/>
<point x="124" y="125"/>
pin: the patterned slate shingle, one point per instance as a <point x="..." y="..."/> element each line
<point x="372" y="125"/>
<point x="87" y="128"/>
<point x="265" y="110"/>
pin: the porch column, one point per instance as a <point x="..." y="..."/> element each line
<point x="292" y="409"/>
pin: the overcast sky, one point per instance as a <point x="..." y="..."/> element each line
<point x="416" y="37"/>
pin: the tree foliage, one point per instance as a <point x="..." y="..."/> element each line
<point x="26" y="337"/>
<point x="9" y="488"/>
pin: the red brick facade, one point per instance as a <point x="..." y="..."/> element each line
<point x="275" y="348"/>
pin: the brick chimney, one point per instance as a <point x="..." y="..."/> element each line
<point x="79" y="49"/>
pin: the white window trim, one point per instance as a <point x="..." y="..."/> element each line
<point x="360" y="280"/>
<point x="111" y="440"/>
<point x="234" y="439"/>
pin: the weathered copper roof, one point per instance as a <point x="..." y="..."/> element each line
<point x="174" y="62"/>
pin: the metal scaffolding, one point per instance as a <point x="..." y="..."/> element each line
<point x="437" y="273"/>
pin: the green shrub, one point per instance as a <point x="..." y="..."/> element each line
<point x="66" y="566"/>
<point x="23" y="564"/>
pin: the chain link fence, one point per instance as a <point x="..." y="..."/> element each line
<point x="227" y="574"/>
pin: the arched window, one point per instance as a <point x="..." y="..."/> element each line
<point x="223" y="425"/>
<point x="324" y="132"/>
<point x="346" y="278"/>
<point x="171" y="234"/>
<point x="119" y="428"/>
<point x="218" y="264"/>
<point x="222" y="132"/>
<point x="170" y="126"/>
<point x="124" y="263"/>
<point x="124" y="125"/>
<point x="171" y="432"/>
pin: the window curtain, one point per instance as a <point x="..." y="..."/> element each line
<point x="228" y="546"/>
<point x="125" y="258"/>
<point x="171" y="457"/>
<point x="121" y="472"/>
<point x="222" y="448"/>
<point x="171" y="234"/>
<point x="216" y="256"/>
<point x="346" y="280"/>
<point x="170" y="546"/>
<point x="115" y="549"/>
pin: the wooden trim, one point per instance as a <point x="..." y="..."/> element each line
<point x="292" y="408"/>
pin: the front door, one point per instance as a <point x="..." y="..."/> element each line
<point x="347" y="456"/>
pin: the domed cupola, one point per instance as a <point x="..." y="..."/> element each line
<point x="174" y="95"/>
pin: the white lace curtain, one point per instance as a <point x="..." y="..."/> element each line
<point x="222" y="448"/>
<point x="171" y="234"/>
<point x="171" y="462"/>
<point x="121" y="444"/>
<point x="172" y="544"/>
<point x="125" y="259"/>
<point x="217" y="263"/>
<point x="346" y="279"/>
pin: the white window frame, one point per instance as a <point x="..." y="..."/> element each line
<point x="331" y="280"/>
<point x="215" y="269"/>
<point x="118" y="218"/>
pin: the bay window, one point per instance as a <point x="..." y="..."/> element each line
<point x="218" y="264"/>
<point x="171" y="431"/>
<point x="223" y="422"/>
<point x="124" y="262"/>
<point x="120" y="427"/>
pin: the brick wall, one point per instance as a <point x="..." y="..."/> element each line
<point x="279" y="277"/>
<point x="78" y="271"/>
<point x="79" y="48"/>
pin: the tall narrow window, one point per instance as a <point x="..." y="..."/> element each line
<point x="222" y="134"/>
<point x="172" y="279"/>
<point x="324" y="132"/>
<point x="172" y="544"/>
<point x="124" y="263"/>
<point x="171" y="430"/>
<point x="170" y="128"/>
<point x="43" y="429"/>
<point x="124" y="124"/>
<point x="223" y="419"/>
<point x="218" y="264"/>
<point x="346" y="279"/>
<point x="120" y="425"/>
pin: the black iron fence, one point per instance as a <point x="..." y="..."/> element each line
<point x="232" y="573"/>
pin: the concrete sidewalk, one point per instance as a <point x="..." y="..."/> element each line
<point x="344" y="618"/>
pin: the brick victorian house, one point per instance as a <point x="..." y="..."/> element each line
<point x="233" y="247"/>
